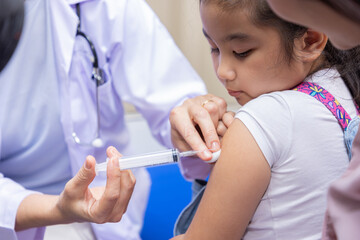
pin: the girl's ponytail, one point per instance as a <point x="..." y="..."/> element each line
<point x="347" y="62"/>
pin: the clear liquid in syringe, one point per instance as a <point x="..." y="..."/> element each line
<point x="168" y="156"/>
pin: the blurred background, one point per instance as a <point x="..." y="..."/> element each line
<point x="182" y="20"/>
<point x="170" y="193"/>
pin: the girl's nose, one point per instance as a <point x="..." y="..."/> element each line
<point x="225" y="72"/>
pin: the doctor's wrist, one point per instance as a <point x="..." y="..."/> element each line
<point x="38" y="210"/>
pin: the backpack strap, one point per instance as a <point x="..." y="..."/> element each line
<point x="328" y="100"/>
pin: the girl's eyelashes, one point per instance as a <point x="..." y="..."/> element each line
<point x="238" y="55"/>
<point x="242" y="54"/>
<point x="214" y="50"/>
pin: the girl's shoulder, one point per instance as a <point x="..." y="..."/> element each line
<point x="270" y="121"/>
<point x="274" y="102"/>
<point x="290" y="101"/>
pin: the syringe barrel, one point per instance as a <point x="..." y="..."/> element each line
<point x="152" y="159"/>
<point x="148" y="160"/>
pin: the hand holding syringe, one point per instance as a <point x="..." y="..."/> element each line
<point x="153" y="159"/>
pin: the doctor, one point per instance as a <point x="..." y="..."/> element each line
<point x="60" y="101"/>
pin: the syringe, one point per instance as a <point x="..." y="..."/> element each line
<point x="153" y="159"/>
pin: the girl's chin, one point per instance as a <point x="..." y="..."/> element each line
<point x="241" y="101"/>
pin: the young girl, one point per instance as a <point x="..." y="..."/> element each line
<point x="285" y="146"/>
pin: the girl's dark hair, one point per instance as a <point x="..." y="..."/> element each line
<point x="347" y="62"/>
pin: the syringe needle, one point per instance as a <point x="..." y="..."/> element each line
<point x="188" y="153"/>
<point x="215" y="155"/>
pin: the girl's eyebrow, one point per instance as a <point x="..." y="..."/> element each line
<point x="237" y="36"/>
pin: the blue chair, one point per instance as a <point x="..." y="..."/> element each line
<point x="170" y="193"/>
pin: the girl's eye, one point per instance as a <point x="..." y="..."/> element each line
<point x="214" y="50"/>
<point x="242" y="54"/>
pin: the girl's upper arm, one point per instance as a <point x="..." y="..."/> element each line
<point x="236" y="185"/>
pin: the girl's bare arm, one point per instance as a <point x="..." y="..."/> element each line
<point x="236" y="185"/>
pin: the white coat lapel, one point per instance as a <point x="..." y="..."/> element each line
<point x="64" y="23"/>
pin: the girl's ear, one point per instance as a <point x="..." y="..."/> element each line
<point x="310" y="46"/>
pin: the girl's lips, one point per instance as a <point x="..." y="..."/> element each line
<point x="235" y="93"/>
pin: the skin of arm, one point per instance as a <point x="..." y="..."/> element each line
<point x="236" y="185"/>
<point x="78" y="202"/>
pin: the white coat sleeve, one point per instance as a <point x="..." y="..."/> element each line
<point x="11" y="195"/>
<point x="151" y="72"/>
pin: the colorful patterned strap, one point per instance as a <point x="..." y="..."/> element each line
<point x="328" y="100"/>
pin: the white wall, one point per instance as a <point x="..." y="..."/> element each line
<point x="141" y="135"/>
<point x="182" y="19"/>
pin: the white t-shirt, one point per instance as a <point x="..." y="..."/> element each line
<point x="304" y="145"/>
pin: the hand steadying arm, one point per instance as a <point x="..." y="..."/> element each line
<point x="208" y="118"/>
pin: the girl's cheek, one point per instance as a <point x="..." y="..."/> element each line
<point x="215" y="62"/>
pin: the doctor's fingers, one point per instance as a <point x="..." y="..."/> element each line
<point x="126" y="189"/>
<point x="79" y="184"/>
<point x="225" y="123"/>
<point x="193" y="137"/>
<point x="221" y="129"/>
<point x="184" y="135"/>
<point x="228" y="118"/>
<point x="112" y="152"/>
<point x="215" y="108"/>
<point x="118" y="190"/>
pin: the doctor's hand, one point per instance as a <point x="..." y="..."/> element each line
<point x="80" y="203"/>
<point x="224" y="123"/>
<point x="199" y="124"/>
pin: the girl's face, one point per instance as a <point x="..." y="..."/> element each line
<point x="248" y="60"/>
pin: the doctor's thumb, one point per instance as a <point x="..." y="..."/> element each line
<point x="85" y="175"/>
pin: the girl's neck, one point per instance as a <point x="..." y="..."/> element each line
<point x="318" y="64"/>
